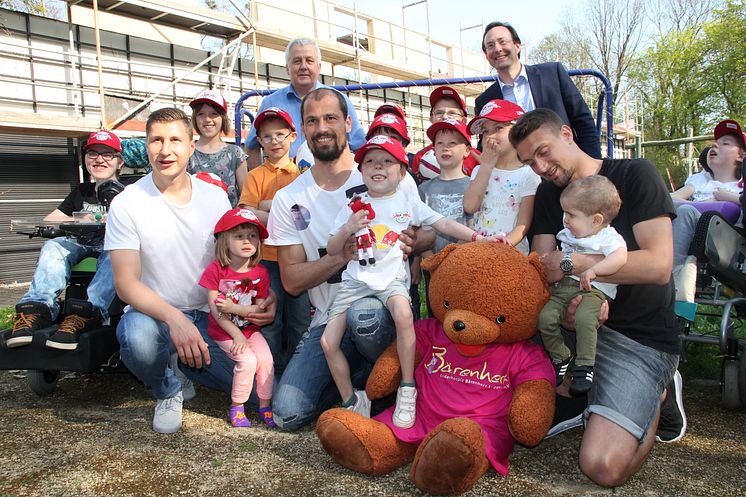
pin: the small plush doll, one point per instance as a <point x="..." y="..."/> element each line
<point x="364" y="237"/>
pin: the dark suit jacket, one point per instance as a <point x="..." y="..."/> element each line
<point x="552" y="88"/>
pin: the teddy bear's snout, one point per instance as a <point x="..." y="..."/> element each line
<point x="459" y="325"/>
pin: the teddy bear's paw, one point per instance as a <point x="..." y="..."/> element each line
<point x="450" y="459"/>
<point x="361" y="444"/>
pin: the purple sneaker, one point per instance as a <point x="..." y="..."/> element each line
<point x="238" y="417"/>
<point x="266" y="414"/>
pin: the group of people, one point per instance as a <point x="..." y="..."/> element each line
<point x="220" y="287"/>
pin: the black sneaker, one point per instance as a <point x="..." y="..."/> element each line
<point x="672" y="425"/>
<point x="81" y="316"/>
<point x="582" y="380"/>
<point x="560" y="368"/>
<point x="30" y="316"/>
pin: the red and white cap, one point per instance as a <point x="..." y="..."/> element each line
<point x="500" y="111"/>
<point x="447" y="92"/>
<point x="730" y="127"/>
<point x="212" y="178"/>
<point x="238" y="216"/>
<point x="212" y="97"/>
<point x="385" y="143"/>
<point x="390" y="108"/>
<point x="273" y="112"/>
<point x="448" y="124"/>
<point x="392" y="121"/>
<point x="103" y="137"/>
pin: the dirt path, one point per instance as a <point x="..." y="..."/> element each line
<point x="92" y="437"/>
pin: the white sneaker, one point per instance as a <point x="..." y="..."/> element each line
<point x="406" y="403"/>
<point x="167" y="418"/>
<point x="187" y="387"/>
<point x="362" y="403"/>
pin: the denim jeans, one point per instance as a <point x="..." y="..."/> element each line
<point x="683" y="226"/>
<point x="291" y="320"/>
<point x="306" y="388"/>
<point x="53" y="270"/>
<point x="145" y="347"/>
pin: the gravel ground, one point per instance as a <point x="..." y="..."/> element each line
<point x="92" y="437"/>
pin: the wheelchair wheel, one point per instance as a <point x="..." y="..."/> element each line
<point x="42" y="382"/>
<point x="729" y="389"/>
<point x="742" y="377"/>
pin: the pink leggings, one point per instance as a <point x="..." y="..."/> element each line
<point x="255" y="359"/>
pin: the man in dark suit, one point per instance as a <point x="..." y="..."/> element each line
<point x="536" y="86"/>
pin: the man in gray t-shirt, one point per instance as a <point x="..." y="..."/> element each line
<point x="447" y="198"/>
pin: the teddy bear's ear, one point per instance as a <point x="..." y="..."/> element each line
<point x="533" y="259"/>
<point x="434" y="261"/>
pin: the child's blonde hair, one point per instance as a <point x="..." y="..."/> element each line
<point x="225" y="124"/>
<point x="223" y="254"/>
<point x="594" y="195"/>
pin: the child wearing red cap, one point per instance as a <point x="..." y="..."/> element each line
<point x="210" y="121"/>
<point x="722" y="182"/>
<point x="275" y="132"/>
<point x="38" y="308"/>
<point x="236" y="284"/>
<point x="502" y="190"/>
<point x="382" y="163"/>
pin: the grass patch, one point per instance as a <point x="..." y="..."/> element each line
<point x="6" y="317"/>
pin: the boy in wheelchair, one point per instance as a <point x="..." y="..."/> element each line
<point x="39" y="307"/>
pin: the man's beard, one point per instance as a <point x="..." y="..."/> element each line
<point x="327" y="153"/>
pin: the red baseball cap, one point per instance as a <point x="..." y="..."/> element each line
<point x="238" y="216"/>
<point x="392" y="121"/>
<point x="448" y="124"/>
<point x="500" y="111"/>
<point x="447" y="92"/>
<point x="390" y="108"/>
<point x="103" y="137"/>
<point x="212" y="97"/>
<point x="273" y="112"/>
<point x="730" y="127"/>
<point x="384" y="143"/>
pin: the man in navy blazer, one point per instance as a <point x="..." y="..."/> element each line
<point x="536" y="86"/>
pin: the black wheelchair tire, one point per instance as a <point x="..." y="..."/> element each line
<point x="42" y="382"/>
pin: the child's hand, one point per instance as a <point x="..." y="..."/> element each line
<point x="239" y="345"/>
<point x="358" y="220"/>
<point x="224" y="305"/>
<point x="585" y="279"/>
<point x="488" y="157"/>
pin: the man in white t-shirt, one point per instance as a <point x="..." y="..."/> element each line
<point x="159" y="234"/>
<point x="299" y="224"/>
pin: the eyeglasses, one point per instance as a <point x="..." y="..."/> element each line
<point x="279" y="138"/>
<point x="107" y="156"/>
<point x="453" y="114"/>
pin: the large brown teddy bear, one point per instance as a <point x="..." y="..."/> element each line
<point x="481" y="385"/>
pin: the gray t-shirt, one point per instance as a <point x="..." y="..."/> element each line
<point x="447" y="198"/>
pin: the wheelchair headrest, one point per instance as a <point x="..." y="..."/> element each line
<point x="108" y="190"/>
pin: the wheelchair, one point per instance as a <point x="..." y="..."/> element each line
<point x="720" y="249"/>
<point x="98" y="349"/>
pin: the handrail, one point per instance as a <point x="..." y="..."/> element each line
<point x="604" y="98"/>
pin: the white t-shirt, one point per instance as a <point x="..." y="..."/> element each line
<point x="392" y="215"/>
<point x="175" y="241"/>
<point x="502" y="199"/>
<point x="604" y="242"/>
<point x="705" y="185"/>
<point x="302" y="213"/>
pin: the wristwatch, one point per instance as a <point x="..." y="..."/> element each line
<point x="566" y="264"/>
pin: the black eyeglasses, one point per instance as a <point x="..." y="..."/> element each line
<point x="107" y="156"/>
<point x="279" y="138"/>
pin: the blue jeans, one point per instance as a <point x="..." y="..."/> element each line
<point x="306" y="389"/>
<point x="291" y="320"/>
<point x="53" y="270"/>
<point x="145" y="347"/>
<point x="684" y="227"/>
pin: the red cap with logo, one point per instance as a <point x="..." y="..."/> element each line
<point x="104" y="137"/>
<point x="236" y="217"/>
<point x="384" y="143"/>
<point x="500" y="111"/>
<point x="447" y="92"/>
<point x="730" y="127"/>
<point x="390" y="108"/>
<point x="448" y="123"/>
<point x="212" y="97"/>
<point x="392" y="121"/>
<point x="273" y="112"/>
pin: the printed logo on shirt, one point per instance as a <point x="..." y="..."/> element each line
<point x="483" y="377"/>
<point x="385" y="237"/>
<point x="301" y="217"/>
<point x="402" y="217"/>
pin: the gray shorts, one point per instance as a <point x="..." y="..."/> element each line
<point x="628" y="382"/>
<point x="352" y="290"/>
